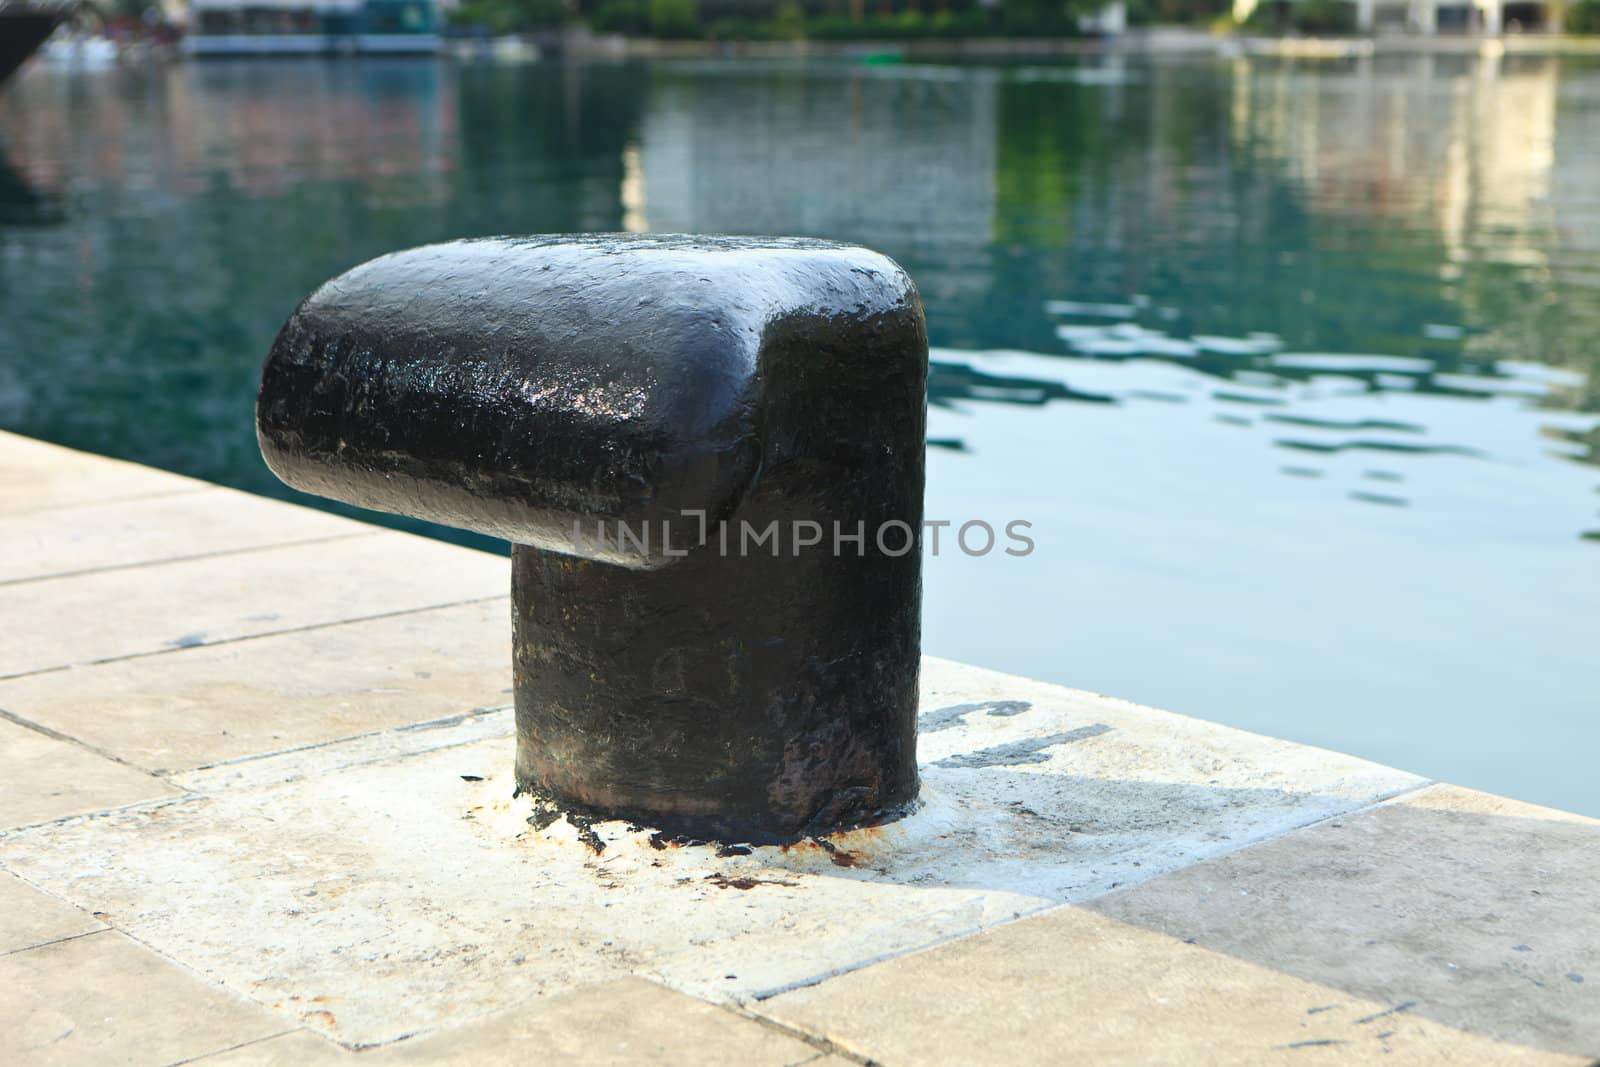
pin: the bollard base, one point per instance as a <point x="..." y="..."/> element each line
<point x="716" y="700"/>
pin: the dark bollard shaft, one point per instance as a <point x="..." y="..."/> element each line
<point x="708" y="454"/>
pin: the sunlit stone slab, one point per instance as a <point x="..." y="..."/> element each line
<point x="44" y="778"/>
<point x="124" y="533"/>
<point x="622" y="1023"/>
<point x="108" y="615"/>
<point x="106" y="999"/>
<point x="619" y="1024"/>
<point x="378" y="747"/>
<point x="29" y="917"/>
<point x="208" y="705"/>
<point x="411" y="890"/>
<point x="299" y="1048"/>
<point x="1475" y="911"/>
<point x="35" y="476"/>
<point x="1076" y="987"/>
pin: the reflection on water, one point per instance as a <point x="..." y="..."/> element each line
<point x="23" y="205"/>
<point x="1295" y="368"/>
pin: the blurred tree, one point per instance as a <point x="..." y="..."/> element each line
<point x="1040" y="16"/>
<point x="1184" y="11"/>
<point x="787" y="19"/>
<point x="674" y="18"/>
<point x="509" y="16"/>
<point x="99" y="12"/>
<point x="1304" y="16"/>
<point x="1583" y="17"/>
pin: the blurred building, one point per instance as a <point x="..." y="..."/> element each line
<point x="315" y="27"/>
<point x="1491" y="17"/>
<point x="895" y="158"/>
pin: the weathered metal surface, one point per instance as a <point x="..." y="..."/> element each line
<point x="633" y="412"/>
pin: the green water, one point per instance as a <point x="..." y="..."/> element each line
<point x="1295" y="369"/>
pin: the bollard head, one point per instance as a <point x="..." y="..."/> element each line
<point x="526" y="388"/>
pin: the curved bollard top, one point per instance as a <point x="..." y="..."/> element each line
<point x="526" y="387"/>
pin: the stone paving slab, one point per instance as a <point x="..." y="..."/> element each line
<point x="124" y="533"/>
<point x="301" y="1048"/>
<point x="331" y="853"/>
<point x="1073" y="986"/>
<point x="35" y="476"/>
<point x="315" y="761"/>
<point x="615" y="1024"/>
<point x="304" y="881"/>
<point x="1475" y="911"/>
<point x="45" y="778"/>
<point x="105" y="999"/>
<point x="207" y="705"/>
<point x="29" y="917"/>
<point x="89" y="618"/>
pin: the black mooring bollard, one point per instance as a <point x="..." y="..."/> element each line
<point x="708" y="454"/>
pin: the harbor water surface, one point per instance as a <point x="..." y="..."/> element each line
<point x="1293" y="369"/>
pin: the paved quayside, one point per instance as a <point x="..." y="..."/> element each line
<point x="255" y="809"/>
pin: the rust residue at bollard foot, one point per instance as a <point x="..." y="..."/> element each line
<point x="722" y="881"/>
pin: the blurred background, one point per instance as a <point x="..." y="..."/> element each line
<point x="1290" y="355"/>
